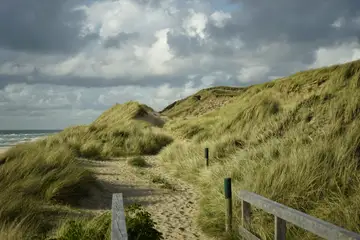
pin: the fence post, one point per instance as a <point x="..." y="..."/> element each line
<point x="280" y="229"/>
<point x="207" y="156"/>
<point x="245" y="214"/>
<point x="228" y="200"/>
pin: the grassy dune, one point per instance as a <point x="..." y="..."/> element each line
<point x="294" y="140"/>
<point x="42" y="182"/>
<point x="37" y="182"/>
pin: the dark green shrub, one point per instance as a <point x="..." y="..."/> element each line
<point x="139" y="224"/>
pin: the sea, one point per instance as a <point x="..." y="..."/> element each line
<point x="12" y="137"/>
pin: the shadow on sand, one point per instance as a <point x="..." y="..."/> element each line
<point x="101" y="195"/>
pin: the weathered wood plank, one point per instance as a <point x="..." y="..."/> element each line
<point x="245" y="213"/>
<point x="280" y="229"/>
<point x="118" y="224"/>
<point x="247" y="234"/>
<point x="300" y="219"/>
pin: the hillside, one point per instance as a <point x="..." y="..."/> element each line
<point x="44" y="182"/>
<point x="201" y="102"/>
<point x="295" y="140"/>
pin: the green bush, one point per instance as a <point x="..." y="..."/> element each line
<point x="139" y="224"/>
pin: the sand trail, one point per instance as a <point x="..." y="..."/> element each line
<point x="171" y="202"/>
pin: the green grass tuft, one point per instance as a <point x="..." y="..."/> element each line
<point x="138" y="162"/>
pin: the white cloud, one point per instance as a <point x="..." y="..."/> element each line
<point x="338" y="23"/>
<point x="339" y="53"/>
<point x="219" y="18"/>
<point x="195" y="24"/>
<point x="252" y="73"/>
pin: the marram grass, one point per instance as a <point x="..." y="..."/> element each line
<point x="295" y="140"/>
<point x="44" y="181"/>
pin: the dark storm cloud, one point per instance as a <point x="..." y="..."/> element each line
<point x="296" y="21"/>
<point x="44" y="26"/>
<point x="41" y="26"/>
<point x="305" y="25"/>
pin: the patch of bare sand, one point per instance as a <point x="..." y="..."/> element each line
<point x="173" y="207"/>
<point x="3" y="149"/>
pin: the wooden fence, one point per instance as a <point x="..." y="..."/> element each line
<point x="118" y="224"/>
<point x="283" y="214"/>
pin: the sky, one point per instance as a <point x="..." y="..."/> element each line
<point x="64" y="62"/>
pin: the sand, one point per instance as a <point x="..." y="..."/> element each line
<point x="3" y="149"/>
<point x="174" y="210"/>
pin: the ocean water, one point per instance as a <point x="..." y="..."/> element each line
<point x="12" y="137"/>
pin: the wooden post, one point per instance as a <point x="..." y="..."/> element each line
<point x="228" y="200"/>
<point x="118" y="222"/>
<point x="245" y="214"/>
<point x="280" y="229"/>
<point x="207" y="156"/>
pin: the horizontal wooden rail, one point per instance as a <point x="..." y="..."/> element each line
<point x="118" y="224"/>
<point x="285" y="214"/>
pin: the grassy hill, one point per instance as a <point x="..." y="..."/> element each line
<point x="295" y="140"/>
<point x="202" y="102"/>
<point x="43" y="182"/>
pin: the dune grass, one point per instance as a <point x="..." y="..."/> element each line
<point x="43" y="181"/>
<point x="37" y="181"/>
<point x="138" y="162"/>
<point x="115" y="133"/>
<point x="139" y="224"/>
<point x="295" y="140"/>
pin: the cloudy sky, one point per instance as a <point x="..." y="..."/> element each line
<point x="63" y="62"/>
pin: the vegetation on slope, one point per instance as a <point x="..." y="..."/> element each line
<point x="39" y="179"/>
<point x="123" y="130"/>
<point x="294" y="140"/>
<point x="202" y="102"/>
<point x="34" y="180"/>
<point x="139" y="226"/>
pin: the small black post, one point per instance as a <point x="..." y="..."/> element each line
<point x="207" y="156"/>
<point x="228" y="200"/>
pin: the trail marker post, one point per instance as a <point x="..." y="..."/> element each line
<point x="207" y="156"/>
<point x="228" y="202"/>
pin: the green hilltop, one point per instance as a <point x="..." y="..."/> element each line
<point x="295" y="140"/>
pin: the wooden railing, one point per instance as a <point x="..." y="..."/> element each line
<point x="283" y="214"/>
<point x="118" y="224"/>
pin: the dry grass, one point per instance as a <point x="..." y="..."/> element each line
<point x="202" y="102"/>
<point x="36" y="181"/>
<point x="138" y="162"/>
<point x="116" y="133"/>
<point x="39" y="180"/>
<point x="294" y="140"/>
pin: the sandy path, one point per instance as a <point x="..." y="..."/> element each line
<point x="173" y="205"/>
